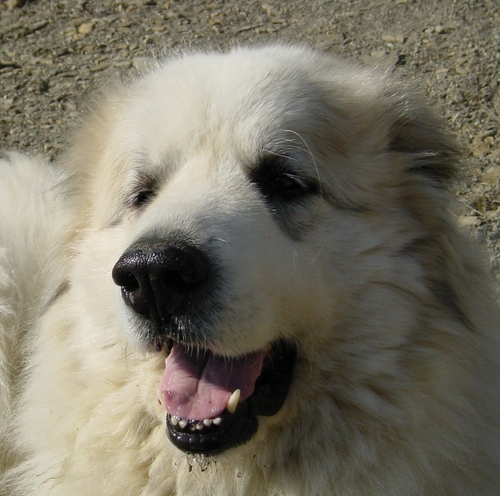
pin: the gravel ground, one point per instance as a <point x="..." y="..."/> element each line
<point x="52" y="53"/>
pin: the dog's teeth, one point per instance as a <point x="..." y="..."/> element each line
<point x="233" y="401"/>
<point x="198" y="426"/>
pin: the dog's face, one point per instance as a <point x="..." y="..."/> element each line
<point x="248" y="207"/>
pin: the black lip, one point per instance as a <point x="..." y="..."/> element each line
<point x="235" y="429"/>
<point x="271" y="389"/>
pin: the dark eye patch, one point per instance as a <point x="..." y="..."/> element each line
<point x="279" y="183"/>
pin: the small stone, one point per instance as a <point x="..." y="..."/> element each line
<point x="393" y="38"/>
<point x="100" y="66"/>
<point x="326" y="41"/>
<point x="8" y="63"/>
<point x="382" y="60"/>
<point x="86" y="27"/>
<point x="479" y="146"/>
<point x="378" y="54"/>
<point x="268" y="10"/>
<point x="468" y="221"/>
<point x="492" y="175"/>
<point x="6" y="103"/>
<point x="14" y="4"/>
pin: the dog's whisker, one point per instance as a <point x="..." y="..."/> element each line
<point x="310" y="153"/>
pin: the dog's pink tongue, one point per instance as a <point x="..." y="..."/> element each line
<point x="198" y="387"/>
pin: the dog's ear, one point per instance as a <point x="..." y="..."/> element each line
<point x="420" y="135"/>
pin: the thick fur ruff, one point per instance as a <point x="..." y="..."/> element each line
<point x="347" y="249"/>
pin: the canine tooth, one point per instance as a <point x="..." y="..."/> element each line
<point x="199" y="426"/>
<point x="233" y="401"/>
<point x="174" y="420"/>
<point x="217" y="421"/>
<point x="207" y="422"/>
<point x="183" y="423"/>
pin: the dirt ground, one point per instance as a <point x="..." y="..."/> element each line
<point x="54" y="52"/>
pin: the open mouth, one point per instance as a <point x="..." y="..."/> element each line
<point x="213" y="402"/>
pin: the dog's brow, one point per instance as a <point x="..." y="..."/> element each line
<point x="310" y="153"/>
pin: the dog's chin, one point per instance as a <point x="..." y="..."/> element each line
<point x="228" y="429"/>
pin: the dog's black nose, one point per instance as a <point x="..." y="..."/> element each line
<point x="159" y="280"/>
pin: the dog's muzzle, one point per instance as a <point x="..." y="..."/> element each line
<point x="212" y="401"/>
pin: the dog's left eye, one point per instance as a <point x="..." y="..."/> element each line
<point x="142" y="197"/>
<point x="144" y="192"/>
<point x="278" y="182"/>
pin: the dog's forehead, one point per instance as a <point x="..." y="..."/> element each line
<point x="242" y="101"/>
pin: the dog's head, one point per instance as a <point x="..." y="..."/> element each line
<point x="257" y="210"/>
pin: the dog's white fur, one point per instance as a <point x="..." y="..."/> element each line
<point x="396" y="387"/>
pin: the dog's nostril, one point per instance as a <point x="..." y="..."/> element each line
<point x="132" y="292"/>
<point x="128" y="282"/>
<point x="136" y="301"/>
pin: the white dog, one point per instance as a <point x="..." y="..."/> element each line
<point x="244" y="279"/>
